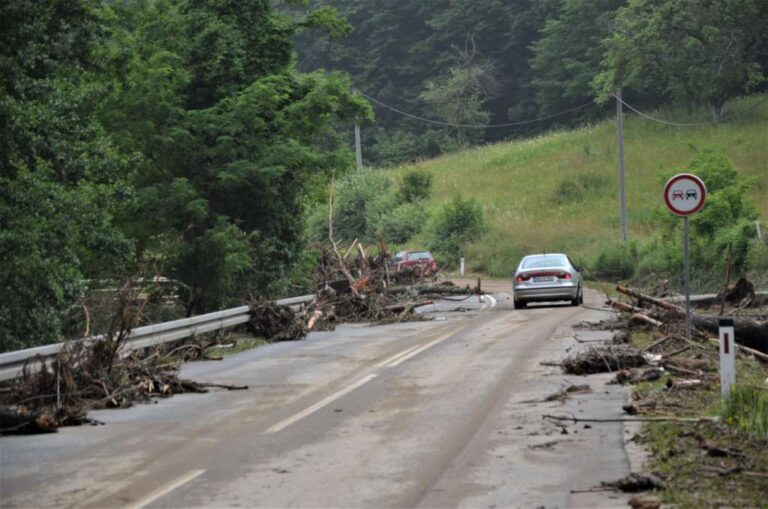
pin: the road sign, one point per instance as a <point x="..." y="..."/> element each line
<point x="727" y="356"/>
<point x="685" y="194"/>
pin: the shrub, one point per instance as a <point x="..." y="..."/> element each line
<point x="459" y="222"/>
<point x="402" y="223"/>
<point x="616" y="261"/>
<point x="359" y="202"/>
<point x="416" y="185"/>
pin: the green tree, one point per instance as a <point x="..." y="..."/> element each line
<point x="699" y="51"/>
<point x="568" y="53"/>
<point x="61" y="178"/>
<point x="235" y="141"/>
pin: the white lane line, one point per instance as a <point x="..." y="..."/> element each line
<point x="151" y="497"/>
<point x="396" y="356"/>
<point x="420" y="349"/>
<point x="317" y="406"/>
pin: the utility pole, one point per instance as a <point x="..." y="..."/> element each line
<point x="622" y="188"/>
<point x="358" y="147"/>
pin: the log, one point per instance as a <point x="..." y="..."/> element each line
<point x="21" y="420"/>
<point x="622" y="306"/>
<point x="763" y="357"/>
<point x="749" y="333"/>
<point x="640" y="317"/>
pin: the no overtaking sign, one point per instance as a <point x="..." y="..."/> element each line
<point x="685" y="194"/>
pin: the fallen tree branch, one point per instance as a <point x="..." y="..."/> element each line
<point x="640" y="317"/>
<point x="657" y="343"/>
<point x="751" y="351"/>
<point x="750" y="333"/>
<point x="631" y="419"/>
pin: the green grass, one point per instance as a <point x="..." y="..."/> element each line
<point x="558" y="192"/>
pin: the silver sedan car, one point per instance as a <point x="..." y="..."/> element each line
<point x="545" y="278"/>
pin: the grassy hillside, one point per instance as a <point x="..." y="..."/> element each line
<point x="559" y="192"/>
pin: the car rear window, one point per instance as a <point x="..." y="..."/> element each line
<point x="534" y="262"/>
<point x="419" y="255"/>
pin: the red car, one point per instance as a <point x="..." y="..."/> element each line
<point x="419" y="262"/>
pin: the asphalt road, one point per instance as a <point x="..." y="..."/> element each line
<point x="441" y="413"/>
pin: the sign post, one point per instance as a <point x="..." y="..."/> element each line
<point x="461" y="265"/>
<point x="727" y="356"/>
<point x="685" y="195"/>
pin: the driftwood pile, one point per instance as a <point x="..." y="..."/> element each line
<point x="751" y="333"/>
<point x="89" y="375"/>
<point x="604" y="359"/>
<point x="86" y="377"/>
<point x="352" y="289"/>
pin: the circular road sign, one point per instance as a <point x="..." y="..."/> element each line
<point x="685" y="194"/>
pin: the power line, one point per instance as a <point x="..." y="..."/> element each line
<point x="473" y="126"/>
<point x="667" y="122"/>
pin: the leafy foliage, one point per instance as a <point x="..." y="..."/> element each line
<point x="694" y="50"/>
<point x="415" y="185"/>
<point x="459" y="222"/>
<point x="727" y="218"/>
<point x="61" y="179"/>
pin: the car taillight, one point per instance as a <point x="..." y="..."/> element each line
<point x="520" y="279"/>
<point x="566" y="275"/>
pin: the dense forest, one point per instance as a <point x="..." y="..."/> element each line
<point x="496" y="62"/>
<point x="188" y="138"/>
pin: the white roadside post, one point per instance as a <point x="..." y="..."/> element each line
<point x="727" y="356"/>
<point x="461" y="267"/>
<point x="685" y="195"/>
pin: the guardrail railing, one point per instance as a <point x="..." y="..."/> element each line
<point x="12" y="363"/>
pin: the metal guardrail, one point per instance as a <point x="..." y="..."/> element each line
<point x="12" y="363"/>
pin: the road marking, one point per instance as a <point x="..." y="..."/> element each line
<point x="145" y="501"/>
<point x="317" y="406"/>
<point x="396" y="356"/>
<point x="417" y="351"/>
<point x="492" y="301"/>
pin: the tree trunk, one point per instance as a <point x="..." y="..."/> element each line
<point x="750" y="333"/>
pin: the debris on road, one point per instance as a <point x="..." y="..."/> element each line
<point x="88" y="375"/>
<point x="603" y="359"/>
<point x="375" y="296"/>
<point x="637" y="375"/>
<point x="636" y="482"/>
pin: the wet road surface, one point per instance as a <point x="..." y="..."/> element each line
<point x="440" y="413"/>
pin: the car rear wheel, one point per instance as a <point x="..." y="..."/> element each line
<point x="519" y="304"/>
<point x="579" y="298"/>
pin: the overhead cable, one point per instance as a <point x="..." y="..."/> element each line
<point x="473" y="126"/>
<point x="667" y="122"/>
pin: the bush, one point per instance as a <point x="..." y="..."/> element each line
<point x="459" y="222"/>
<point x="402" y="223"/>
<point x="616" y="261"/>
<point x="360" y="200"/>
<point x="416" y="185"/>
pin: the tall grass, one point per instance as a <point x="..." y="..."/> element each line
<point x="747" y="408"/>
<point x="559" y="192"/>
